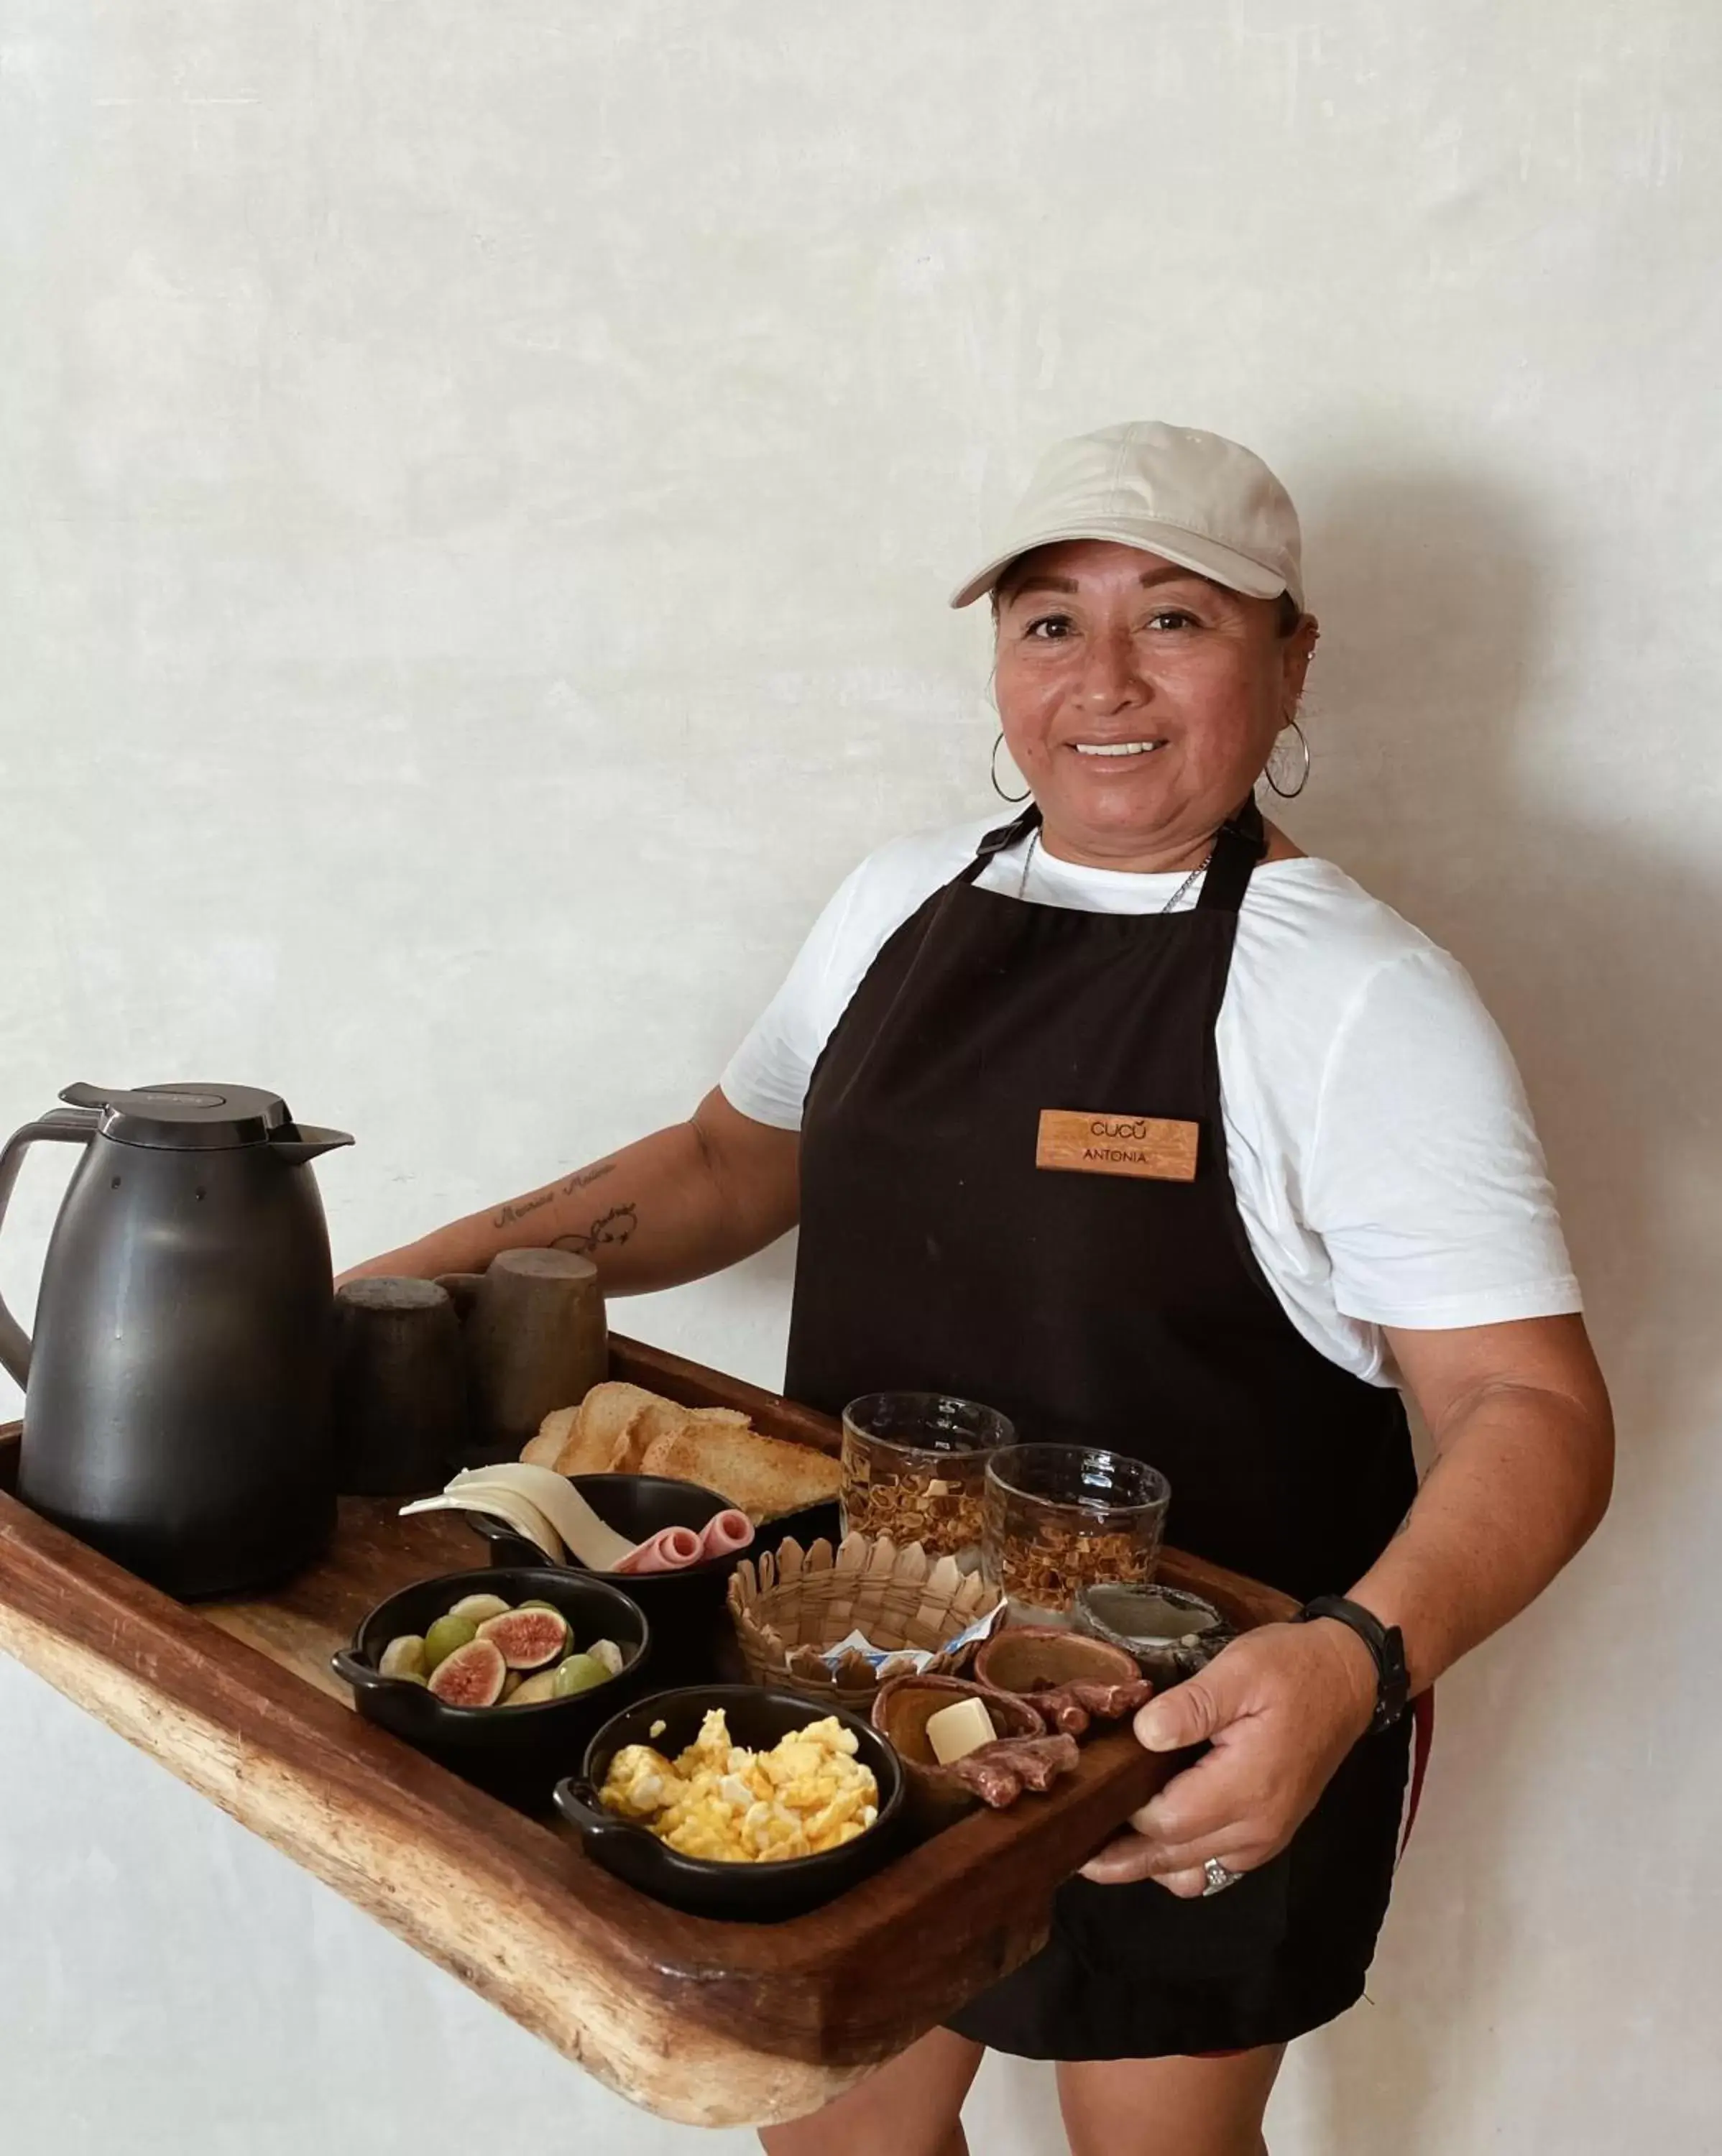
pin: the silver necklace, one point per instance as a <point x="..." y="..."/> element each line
<point x="1171" y="905"/>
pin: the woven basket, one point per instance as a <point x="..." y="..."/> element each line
<point x="791" y="1606"/>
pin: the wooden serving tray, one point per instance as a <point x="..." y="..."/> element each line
<point x="709" y="2023"/>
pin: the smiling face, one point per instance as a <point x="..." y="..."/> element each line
<point x="1139" y="699"/>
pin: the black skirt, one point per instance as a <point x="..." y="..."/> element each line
<point x="1136" y="1973"/>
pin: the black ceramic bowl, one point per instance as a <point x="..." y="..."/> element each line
<point x="689" y="1625"/>
<point x="514" y="1752"/>
<point x="755" y="1893"/>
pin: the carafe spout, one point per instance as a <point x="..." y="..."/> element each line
<point x="298" y="1143"/>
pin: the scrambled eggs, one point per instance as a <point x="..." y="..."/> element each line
<point x="809" y="1793"/>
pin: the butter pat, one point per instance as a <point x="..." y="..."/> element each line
<point x="958" y="1729"/>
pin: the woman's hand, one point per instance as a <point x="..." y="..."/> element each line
<point x="1524" y="1453"/>
<point x="1281" y="1706"/>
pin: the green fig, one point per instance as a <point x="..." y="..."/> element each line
<point x="478" y="1607"/>
<point x="579" y="1673"/>
<point x="550" y="1606"/>
<point x="445" y="1636"/>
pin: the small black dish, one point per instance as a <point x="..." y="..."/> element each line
<point x="516" y="1752"/>
<point x="753" y="1893"/>
<point x="686" y="1609"/>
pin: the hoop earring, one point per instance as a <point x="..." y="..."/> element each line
<point x="1013" y="799"/>
<point x="1290" y="793"/>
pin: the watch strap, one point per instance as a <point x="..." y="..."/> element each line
<point x="1386" y="1646"/>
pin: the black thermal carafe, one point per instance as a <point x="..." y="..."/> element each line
<point x="176" y="1386"/>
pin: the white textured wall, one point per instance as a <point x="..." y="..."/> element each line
<point x="477" y="484"/>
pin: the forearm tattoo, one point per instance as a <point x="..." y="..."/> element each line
<point x="615" y="1226"/>
<point x="518" y="1208"/>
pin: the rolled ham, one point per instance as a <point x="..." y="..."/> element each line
<point x="671" y="1549"/>
<point x="674" y="1549"/>
<point x="723" y="1536"/>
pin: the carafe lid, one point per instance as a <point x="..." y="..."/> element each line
<point x="185" y="1118"/>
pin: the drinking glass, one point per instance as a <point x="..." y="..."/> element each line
<point x="913" y="1465"/>
<point x="1056" y="1518"/>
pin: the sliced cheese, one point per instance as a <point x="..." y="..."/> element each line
<point x="599" y="1548"/>
<point x="958" y="1729"/>
<point x="504" y="1504"/>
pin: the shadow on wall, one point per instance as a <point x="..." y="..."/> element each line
<point x="1587" y="945"/>
<point x="1443" y="608"/>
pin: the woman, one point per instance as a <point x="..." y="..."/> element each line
<point x="1368" y="1211"/>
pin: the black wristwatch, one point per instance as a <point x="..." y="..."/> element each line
<point x="1386" y="1646"/>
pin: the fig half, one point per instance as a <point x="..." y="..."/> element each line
<point x="471" y="1676"/>
<point x="527" y="1638"/>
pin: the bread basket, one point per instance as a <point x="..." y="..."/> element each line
<point x="790" y="1606"/>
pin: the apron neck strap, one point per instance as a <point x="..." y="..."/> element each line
<point x="995" y="842"/>
<point x="1239" y="843"/>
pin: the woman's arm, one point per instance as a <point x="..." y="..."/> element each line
<point x="684" y="1202"/>
<point x="1523" y="1468"/>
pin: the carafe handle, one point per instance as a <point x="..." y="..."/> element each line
<point x="73" y="1126"/>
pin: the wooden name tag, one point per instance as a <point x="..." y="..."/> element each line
<point x="1117" y="1145"/>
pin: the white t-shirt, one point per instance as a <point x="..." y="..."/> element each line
<point x="1381" y="1151"/>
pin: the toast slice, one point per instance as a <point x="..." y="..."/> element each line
<point x="622" y="1428"/>
<point x="545" y="1449"/>
<point x="666" y="1419"/>
<point x="603" y="1428"/>
<point x="765" y="1476"/>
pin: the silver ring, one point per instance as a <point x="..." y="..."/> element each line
<point x="1219" y="1877"/>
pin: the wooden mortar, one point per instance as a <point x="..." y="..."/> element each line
<point x="902" y="1710"/>
<point x="1072" y="1681"/>
<point x="1025" y="1659"/>
<point x="535" y="1339"/>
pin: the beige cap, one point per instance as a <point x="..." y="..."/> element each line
<point x="1195" y="499"/>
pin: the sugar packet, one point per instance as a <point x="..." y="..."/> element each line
<point x="915" y="1659"/>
